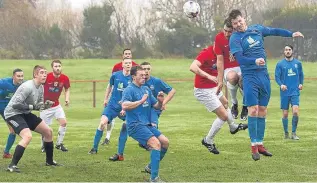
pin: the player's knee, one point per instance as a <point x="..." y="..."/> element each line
<point x="253" y="111"/>
<point x="63" y="122"/>
<point x="165" y="142"/>
<point x="233" y="78"/>
<point x="285" y="114"/>
<point x="154" y="143"/>
<point x="27" y="137"/>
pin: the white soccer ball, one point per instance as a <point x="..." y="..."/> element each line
<point x="191" y="9"/>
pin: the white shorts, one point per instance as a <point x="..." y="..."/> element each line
<point x="208" y="97"/>
<point x="56" y="112"/>
<point x="226" y="71"/>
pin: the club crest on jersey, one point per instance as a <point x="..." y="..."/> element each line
<point x="152" y="87"/>
<point x="120" y="87"/>
<point x="296" y="66"/>
<point x="252" y="42"/>
<point x="55" y="84"/>
<point x="291" y="72"/>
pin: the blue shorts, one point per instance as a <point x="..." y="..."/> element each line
<point x="142" y="133"/>
<point x="112" y="113"/>
<point x="286" y="100"/>
<point x="256" y="88"/>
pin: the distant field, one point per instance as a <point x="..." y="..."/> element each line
<point x="185" y="123"/>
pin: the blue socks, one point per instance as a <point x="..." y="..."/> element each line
<point x="97" y="138"/>
<point x="163" y="152"/>
<point x="294" y="123"/>
<point x="10" y="142"/>
<point x="122" y="139"/>
<point x="252" y="127"/>
<point x="285" y="124"/>
<point x="260" y="129"/>
<point x="155" y="163"/>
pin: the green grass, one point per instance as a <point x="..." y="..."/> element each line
<point x="185" y="123"/>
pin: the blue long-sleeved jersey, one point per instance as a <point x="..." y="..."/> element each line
<point x="7" y="89"/>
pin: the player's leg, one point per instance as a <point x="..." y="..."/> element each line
<point x="234" y="128"/>
<point x="61" y="118"/>
<point x="295" y="108"/>
<point x="264" y="98"/>
<point x="123" y="137"/>
<point x="19" y="125"/>
<point x="285" y="106"/>
<point x="155" y="115"/>
<point x="110" y="127"/>
<point x="232" y="78"/>
<point x="47" y="116"/>
<point x="209" y="98"/>
<point x="10" y="141"/>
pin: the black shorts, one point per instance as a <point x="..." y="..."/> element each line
<point x="22" y="121"/>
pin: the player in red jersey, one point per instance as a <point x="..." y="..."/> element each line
<point x="228" y="69"/>
<point x="53" y="87"/>
<point x="126" y="54"/>
<point x="205" y="91"/>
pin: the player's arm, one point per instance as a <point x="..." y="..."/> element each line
<point x="67" y="95"/>
<point x="127" y="103"/>
<point x="270" y="31"/>
<point x="167" y="89"/>
<point x="218" y="49"/>
<point x="237" y="51"/>
<point x="301" y="76"/>
<point x="19" y="98"/>
<point x="278" y="74"/>
<point x="195" y="68"/>
<point x="158" y="103"/>
<point x="107" y="94"/>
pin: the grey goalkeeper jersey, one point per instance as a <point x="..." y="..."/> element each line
<point x="29" y="94"/>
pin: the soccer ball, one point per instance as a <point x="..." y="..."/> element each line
<point x="191" y="9"/>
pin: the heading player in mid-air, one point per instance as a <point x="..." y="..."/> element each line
<point x="7" y="88"/>
<point x="205" y="91"/>
<point x="228" y="69"/>
<point x="290" y="77"/>
<point x="247" y="45"/>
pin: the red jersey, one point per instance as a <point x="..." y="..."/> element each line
<point x="221" y="47"/>
<point x="118" y="66"/>
<point x="53" y="87"/>
<point x="208" y="61"/>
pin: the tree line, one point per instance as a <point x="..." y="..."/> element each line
<point x="157" y="28"/>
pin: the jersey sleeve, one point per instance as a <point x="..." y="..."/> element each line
<point x="67" y="83"/>
<point x="202" y="56"/>
<point x="127" y="95"/>
<point x="235" y="44"/>
<point x="115" y="68"/>
<point x="164" y="86"/>
<point x="112" y="78"/>
<point x="21" y="94"/>
<point x="278" y="72"/>
<point x="270" y="31"/>
<point x="218" y="47"/>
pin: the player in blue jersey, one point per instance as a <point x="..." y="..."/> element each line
<point x="157" y="86"/>
<point x="247" y="45"/>
<point x="138" y="101"/>
<point x="290" y="77"/>
<point x="8" y="86"/>
<point x="118" y="82"/>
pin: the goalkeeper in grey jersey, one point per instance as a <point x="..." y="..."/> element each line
<point x="28" y="97"/>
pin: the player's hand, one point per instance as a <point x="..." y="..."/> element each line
<point x="163" y="107"/>
<point x="300" y="87"/>
<point x="298" y="34"/>
<point x="143" y="99"/>
<point x="48" y="104"/>
<point x="105" y="103"/>
<point x="283" y="87"/>
<point x="231" y="57"/>
<point x="219" y="88"/>
<point x="122" y="113"/>
<point x="39" y="106"/>
<point x="67" y="103"/>
<point x="160" y="97"/>
<point x="212" y="78"/>
<point x="260" y="61"/>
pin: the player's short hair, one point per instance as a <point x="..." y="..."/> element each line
<point x="288" y="45"/>
<point x="145" y="63"/>
<point x="227" y="23"/>
<point x="234" y="14"/>
<point x="126" y="50"/>
<point x="16" y="70"/>
<point x="55" y="61"/>
<point x="135" y="69"/>
<point x="36" y="69"/>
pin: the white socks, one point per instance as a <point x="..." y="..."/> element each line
<point x="109" y="129"/>
<point x="215" y="127"/>
<point x="233" y="92"/>
<point x="231" y="123"/>
<point x="61" y="135"/>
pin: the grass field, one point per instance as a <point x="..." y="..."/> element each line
<point x="185" y="123"/>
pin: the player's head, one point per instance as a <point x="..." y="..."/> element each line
<point x="138" y="75"/>
<point x="237" y="21"/>
<point x="57" y="67"/>
<point x="127" y="64"/>
<point x="288" y="51"/>
<point x="39" y="74"/>
<point x="147" y="68"/>
<point x="227" y="28"/>
<point x="127" y="53"/>
<point x="17" y="76"/>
